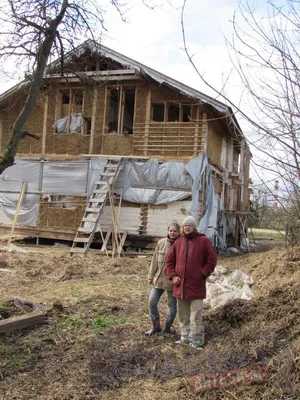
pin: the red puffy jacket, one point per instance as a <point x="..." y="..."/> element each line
<point x="193" y="259"/>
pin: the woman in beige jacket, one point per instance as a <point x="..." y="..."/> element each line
<point x="158" y="278"/>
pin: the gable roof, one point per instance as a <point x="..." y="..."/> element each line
<point x="140" y="69"/>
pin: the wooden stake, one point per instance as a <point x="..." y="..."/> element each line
<point x="20" y="201"/>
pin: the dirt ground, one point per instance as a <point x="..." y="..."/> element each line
<point x="93" y="347"/>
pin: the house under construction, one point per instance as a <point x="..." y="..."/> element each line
<point x="123" y="151"/>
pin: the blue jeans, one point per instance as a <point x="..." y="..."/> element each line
<point x="154" y="297"/>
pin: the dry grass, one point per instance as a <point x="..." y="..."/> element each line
<point x="95" y="349"/>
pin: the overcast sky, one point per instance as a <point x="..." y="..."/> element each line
<point x="154" y="38"/>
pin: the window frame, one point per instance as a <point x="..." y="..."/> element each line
<point x="166" y="105"/>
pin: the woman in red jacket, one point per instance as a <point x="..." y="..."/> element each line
<point x="190" y="261"/>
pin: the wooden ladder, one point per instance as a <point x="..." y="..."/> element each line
<point x="94" y="209"/>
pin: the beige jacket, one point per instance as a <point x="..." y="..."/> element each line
<point x="157" y="270"/>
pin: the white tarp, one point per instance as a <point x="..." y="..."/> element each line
<point x="199" y="170"/>
<point x="156" y="176"/>
<point x="223" y="286"/>
<point x="67" y="178"/>
<point x="10" y="187"/>
<point x="61" y="125"/>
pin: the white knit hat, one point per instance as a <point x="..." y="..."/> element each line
<point x="189" y="220"/>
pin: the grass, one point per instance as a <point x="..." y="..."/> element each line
<point x="94" y="347"/>
<point x="266" y="234"/>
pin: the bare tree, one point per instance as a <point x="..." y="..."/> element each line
<point x="264" y="51"/>
<point x="34" y="32"/>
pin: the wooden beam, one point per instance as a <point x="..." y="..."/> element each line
<point x="1" y="130"/>
<point x="148" y="116"/>
<point x="105" y="116"/>
<point x="99" y="79"/>
<point x="45" y="124"/>
<point x="196" y="136"/>
<point x="161" y="188"/>
<point x="47" y="233"/>
<point x="22" y="321"/>
<point x="93" y="73"/>
<point x="93" y="123"/>
<point x="20" y="201"/>
<point x="205" y="132"/>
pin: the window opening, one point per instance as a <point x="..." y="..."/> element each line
<point x="121" y="110"/>
<point x="173" y="112"/>
<point x="65" y="98"/>
<point x="158" y="112"/>
<point x="113" y="111"/>
<point x="69" y="111"/>
<point x="87" y="126"/>
<point x="129" y="101"/>
<point x="186" y="113"/>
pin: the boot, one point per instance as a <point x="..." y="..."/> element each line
<point x="167" y="329"/>
<point x="155" y="328"/>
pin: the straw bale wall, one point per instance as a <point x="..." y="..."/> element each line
<point x="117" y="144"/>
<point x="60" y="217"/>
<point x="33" y="125"/>
<point x="141" y="96"/>
<point x="214" y="143"/>
<point x="99" y="120"/>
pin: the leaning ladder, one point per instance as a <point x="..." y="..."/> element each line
<point x="94" y="209"/>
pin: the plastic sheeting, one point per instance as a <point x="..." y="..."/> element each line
<point x="62" y="178"/>
<point x="61" y="125"/>
<point x="150" y="173"/>
<point x="77" y="178"/>
<point x="11" y="181"/>
<point x="196" y="168"/>
<point x="223" y="286"/>
<point x="65" y="178"/>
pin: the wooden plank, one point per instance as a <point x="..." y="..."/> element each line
<point x="45" y="124"/>
<point x="81" y="240"/>
<point x="100" y="78"/>
<point x="205" y="132"/>
<point x="48" y="233"/>
<point x="196" y="137"/>
<point x="93" y="73"/>
<point x="161" y="188"/>
<point x="77" y="250"/>
<point x="121" y="244"/>
<point x="22" y="321"/>
<point x="20" y="201"/>
<point x="148" y="116"/>
<point x="108" y="233"/>
<point x="113" y="156"/>
<point x="92" y="220"/>
<point x="93" y="122"/>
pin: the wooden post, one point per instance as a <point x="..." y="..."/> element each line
<point x="115" y="224"/>
<point x="93" y="123"/>
<point x="104" y="118"/>
<point x="1" y="130"/>
<point x="70" y="110"/>
<point x="148" y="116"/>
<point x="45" y="125"/>
<point x="196" y="134"/>
<point x="204" y="132"/>
<point x="237" y="218"/>
<point x="20" y="201"/>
